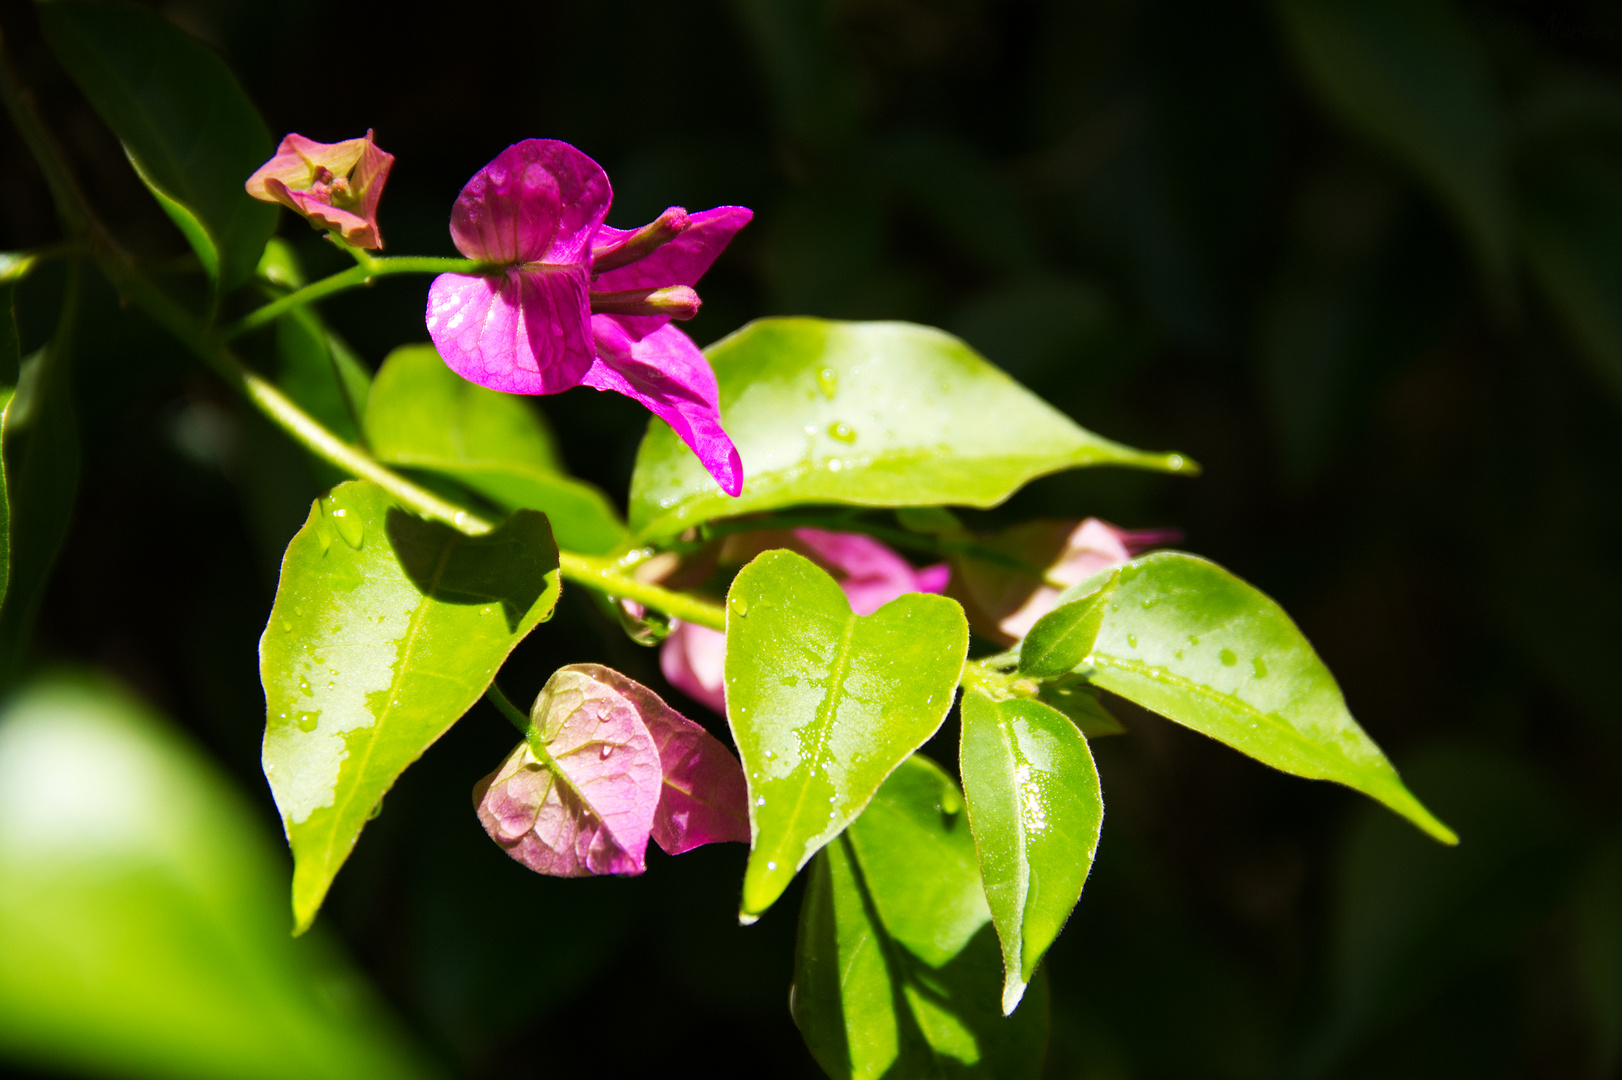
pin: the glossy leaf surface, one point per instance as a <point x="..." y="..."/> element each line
<point x="386" y="628"/>
<point x="425" y="416"/>
<point x="1409" y="75"/>
<point x="824" y="703"/>
<point x="871" y="414"/>
<point x="1182" y="636"/>
<point x="896" y="970"/>
<point x="141" y="913"/>
<point x="182" y="117"/>
<point x="1036" y="810"/>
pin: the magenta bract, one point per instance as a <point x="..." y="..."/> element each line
<point x="575" y="302"/>
<point x="336" y="186"/>
<point x="872" y="574"/>
<point x="608" y="766"/>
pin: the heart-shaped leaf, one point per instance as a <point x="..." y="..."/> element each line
<point x="183" y="119"/>
<point x="425" y="416"/>
<point x="896" y="962"/>
<point x="1035" y="806"/>
<point x="872" y="414"/>
<point x="385" y="630"/>
<point x="824" y="704"/>
<point x="1182" y="636"/>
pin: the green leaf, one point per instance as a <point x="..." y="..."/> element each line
<point x="319" y="371"/>
<point x="1060" y="640"/>
<point x="385" y="630"/>
<point x="824" y="704"/>
<point x="870" y="414"/>
<point x="141" y="918"/>
<point x="42" y="456"/>
<point x="10" y="369"/>
<point x="896" y="969"/>
<point x="1185" y="638"/>
<point x="1036" y="810"/>
<point x="1409" y="75"/>
<point x="183" y="119"/>
<point x="1079" y="700"/>
<point x="425" y="416"/>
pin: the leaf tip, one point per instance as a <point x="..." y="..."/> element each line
<point x="746" y="919"/>
<point x="1013" y="992"/>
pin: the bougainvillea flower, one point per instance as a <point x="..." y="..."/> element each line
<point x="608" y="766"/>
<point x="693" y="657"/>
<point x="1004" y="603"/>
<point x="571" y="301"/>
<point x="335" y="186"/>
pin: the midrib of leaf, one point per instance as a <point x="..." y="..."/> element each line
<point x="827" y="713"/>
<point x="1022" y="851"/>
<point x="413" y="635"/>
<point x="1226" y="701"/>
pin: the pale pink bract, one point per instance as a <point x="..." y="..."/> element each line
<point x="571" y="301"/>
<point x="335" y="186"/>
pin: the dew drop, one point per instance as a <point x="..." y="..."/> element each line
<point x="739" y="605"/>
<point x="1150" y="601"/>
<point x="305" y="688"/>
<point x="606" y="750"/>
<point x="771" y="866"/>
<point x="377" y="808"/>
<point x="350" y="527"/>
<point x="770" y="754"/>
<point x="760" y="801"/>
<point x="307" y="720"/>
<point x="326" y="539"/>
<point x="828" y="382"/>
<point x="1259" y="666"/>
<point x="842" y="431"/>
<point x="1192" y="640"/>
<point x="287" y="627"/>
<point x="1227" y="657"/>
<point x="835" y="465"/>
<point x="1132" y="641"/>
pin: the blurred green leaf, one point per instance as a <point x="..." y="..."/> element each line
<point x="1185" y="638"/>
<point x="896" y="970"/>
<point x="425" y="416"/>
<point x="1411" y="917"/>
<point x="385" y="630"/>
<point x="823" y="704"/>
<point x="1573" y="232"/>
<point x="320" y="372"/>
<point x="871" y="414"/>
<point x="1036" y="809"/>
<point x="41" y="448"/>
<point x="1409" y="75"/>
<point x="10" y="370"/>
<point x="183" y="119"/>
<point x="140" y="913"/>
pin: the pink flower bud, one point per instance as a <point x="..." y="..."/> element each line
<point x="335" y="186"/>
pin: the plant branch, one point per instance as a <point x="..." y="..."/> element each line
<point x="607" y="576"/>
<point x="505" y="707"/>
<point x="363" y="274"/>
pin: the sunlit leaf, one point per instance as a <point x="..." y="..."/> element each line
<point x="871" y="414"/>
<point x="425" y="416"/>
<point x="141" y="918"/>
<point x="896" y="970"/>
<point x="386" y="628"/>
<point x="824" y="703"/>
<point x="182" y="117"/>
<point x="1410" y="76"/>
<point x="1185" y="638"/>
<point x="1034" y="802"/>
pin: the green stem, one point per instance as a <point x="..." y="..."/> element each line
<point x="606" y="576"/>
<point x="506" y="708"/>
<point x="363" y="274"/>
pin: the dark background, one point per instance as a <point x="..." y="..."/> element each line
<point x="1363" y="262"/>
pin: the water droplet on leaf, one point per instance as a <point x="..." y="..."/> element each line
<point x="1259" y="666"/>
<point x="1227" y="657"/>
<point x="828" y="382"/>
<point x="842" y="431"/>
<point x="307" y="720"/>
<point x="771" y="866"/>
<point x="350" y="527"/>
<point x="305" y="688"/>
<point x="607" y="750"/>
<point x="739" y="605"/>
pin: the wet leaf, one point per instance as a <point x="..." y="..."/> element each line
<point x="896" y="969"/>
<point x="183" y="119"/>
<point x="1183" y="637"/>
<point x="1036" y="809"/>
<point x="141" y="917"/>
<point x="425" y="416"/>
<point x="386" y="628"/>
<point x="871" y="414"/>
<point x="824" y="704"/>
